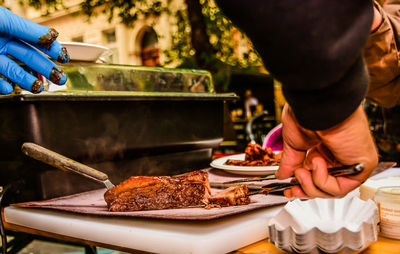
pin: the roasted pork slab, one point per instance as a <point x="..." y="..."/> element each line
<point x="231" y="196"/>
<point x="159" y="192"/>
<point x="162" y="192"/>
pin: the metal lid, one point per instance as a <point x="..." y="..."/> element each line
<point x="115" y="96"/>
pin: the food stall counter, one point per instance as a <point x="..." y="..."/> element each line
<point x="150" y="235"/>
<point x="240" y="233"/>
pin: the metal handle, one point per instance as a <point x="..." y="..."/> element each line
<point x="249" y="127"/>
<point x="61" y="162"/>
<point x="279" y="186"/>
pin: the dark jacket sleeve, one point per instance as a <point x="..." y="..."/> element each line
<point x="314" y="48"/>
<point x="381" y="54"/>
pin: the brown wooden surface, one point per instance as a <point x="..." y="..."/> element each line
<point x="383" y="245"/>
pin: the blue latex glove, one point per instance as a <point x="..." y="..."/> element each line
<point x="21" y="39"/>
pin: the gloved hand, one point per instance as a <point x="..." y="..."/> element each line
<point x="20" y="38"/>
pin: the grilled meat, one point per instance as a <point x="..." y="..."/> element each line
<point x="255" y="155"/>
<point x="162" y="192"/>
<point x="231" y="196"/>
<point x="159" y="192"/>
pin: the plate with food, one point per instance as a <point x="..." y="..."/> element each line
<point x="255" y="161"/>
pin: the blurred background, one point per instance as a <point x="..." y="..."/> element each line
<point x="173" y="34"/>
<point x="185" y="34"/>
<point x="188" y="34"/>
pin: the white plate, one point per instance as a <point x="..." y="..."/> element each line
<point x="242" y="170"/>
<point x="79" y="51"/>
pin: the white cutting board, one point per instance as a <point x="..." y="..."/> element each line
<point x="158" y="236"/>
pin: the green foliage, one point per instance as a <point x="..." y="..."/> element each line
<point x="48" y="6"/>
<point x="181" y="48"/>
<point x="127" y="11"/>
<point x="221" y="33"/>
<point x="220" y="60"/>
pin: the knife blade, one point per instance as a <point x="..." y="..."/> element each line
<point x="227" y="185"/>
<point x="334" y="171"/>
<point x="279" y="186"/>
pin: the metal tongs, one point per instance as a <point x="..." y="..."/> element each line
<point x="280" y="186"/>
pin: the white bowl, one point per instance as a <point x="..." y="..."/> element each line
<point x="341" y="225"/>
<point x="79" y="51"/>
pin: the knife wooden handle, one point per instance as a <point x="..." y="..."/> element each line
<point x="61" y="162"/>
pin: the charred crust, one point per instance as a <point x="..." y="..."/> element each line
<point x="63" y="57"/>
<point x="36" y="86"/>
<point x="55" y="75"/>
<point x="47" y="39"/>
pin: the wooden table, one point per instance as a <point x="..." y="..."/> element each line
<point x="382" y="246"/>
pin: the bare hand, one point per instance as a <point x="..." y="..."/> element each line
<point x="307" y="155"/>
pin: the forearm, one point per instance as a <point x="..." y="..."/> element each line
<point x="313" y="53"/>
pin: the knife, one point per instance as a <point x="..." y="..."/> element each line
<point x="335" y="171"/>
<point x="59" y="161"/>
<point x="279" y="186"/>
<point x="227" y="185"/>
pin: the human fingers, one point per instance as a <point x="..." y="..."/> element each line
<point x="335" y="186"/>
<point x="15" y="73"/>
<point x="26" y="30"/>
<point x="295" y="144"/>
<point x="310" y="191"/>
<point x="5" y="87"/>
<point x="306" y="180"/>
<point x="325" y="185"/>
<point x="321" y="151"/>
<point x="56" y="51"/>
<point x="36" y="61"/>
<point x="295" y="191"/>
<point x="351" y="142"/>
<point x="291" y="160"/>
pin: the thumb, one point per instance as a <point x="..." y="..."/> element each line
<point x="291" y="160"/>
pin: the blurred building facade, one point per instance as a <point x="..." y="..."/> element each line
<point x="142" y="44"/>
